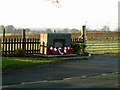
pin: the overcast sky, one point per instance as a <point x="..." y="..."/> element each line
<point x="71" y="14"/>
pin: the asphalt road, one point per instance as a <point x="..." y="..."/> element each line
<point x="99" y="71"/>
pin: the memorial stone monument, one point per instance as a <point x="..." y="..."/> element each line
<point x="55" y="44"/>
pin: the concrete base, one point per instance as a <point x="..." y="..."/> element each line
<point x="69" y="56"/>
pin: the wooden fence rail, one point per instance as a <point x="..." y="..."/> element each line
<point x="10" y="45"/>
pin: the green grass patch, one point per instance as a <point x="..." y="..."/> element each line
<point x="19" y="63"/>
<point x="104" y="52"/>
<point x="101" y="47"/>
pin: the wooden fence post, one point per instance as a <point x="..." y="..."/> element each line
<point x="6" y="46"/>
<point x="24" y="41"/>
<point x="23" y="33"/>
<point x="43" y="50"/>
<point x="3" y="33"/>
<point x="3" y="39"/>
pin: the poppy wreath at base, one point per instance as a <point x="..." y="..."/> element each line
<point x="59" y="50"/>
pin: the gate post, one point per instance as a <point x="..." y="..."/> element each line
<point x="0" y="47"/>
<point x="84" y="33"/>
<point x="84" y="37"/>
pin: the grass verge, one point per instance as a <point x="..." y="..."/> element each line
<point x="20" y="63"/>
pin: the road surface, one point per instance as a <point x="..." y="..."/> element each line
<point x="99" y="71"/>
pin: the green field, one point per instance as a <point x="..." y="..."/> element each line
<point x="100" y="47"/>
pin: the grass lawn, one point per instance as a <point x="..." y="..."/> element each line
<point x="9" y="63"/>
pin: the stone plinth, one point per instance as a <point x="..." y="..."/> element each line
<point x="55" y="41"/>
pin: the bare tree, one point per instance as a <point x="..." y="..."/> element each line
<point x="49" y="31"/>
<point x="105" y="28"/>
<point x="55" y="2"/>
<point x="1" y="28"/>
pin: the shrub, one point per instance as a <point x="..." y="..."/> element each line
<point x="79" y="48"/>
<point x="76" y="48"/>
<point x="20" y="53"/>
<point x="83" y="46"/>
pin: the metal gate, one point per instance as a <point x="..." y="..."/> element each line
<point x="102" y="42"/>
